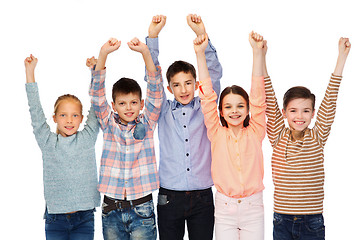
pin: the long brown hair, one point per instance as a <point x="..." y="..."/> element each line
<point x="234" y="89"/>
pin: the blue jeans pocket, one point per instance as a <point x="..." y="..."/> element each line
<point x="145" y="210"/>
<point x="316" y="225"/>
<point x="277" y="220"/>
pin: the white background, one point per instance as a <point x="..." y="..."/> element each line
<point x="302" y="38"/>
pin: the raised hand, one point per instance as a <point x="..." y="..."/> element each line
<point x="344" y="49"/>
<point x="200" y="43"/>
<point x="30" y="64"/>
<point x="344" y="46"/>
<point x="256" y="41"/>
<point x="196" y="24"/>
<point x="156" y="25"/>
<point x="91" y="62"/>
<point x="136" y="45"/>
<point x="110" y="46"/>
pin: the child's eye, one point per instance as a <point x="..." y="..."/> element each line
<point x="227" y="107"/>
<point x="134" y="102"/>
<point x="62" y="115"/>
<point x="189" y="83"/>
<point x="175" y="85"/>
<point x="76" y="115"/>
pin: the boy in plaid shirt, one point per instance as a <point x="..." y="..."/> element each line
<point x="128" y="171"/>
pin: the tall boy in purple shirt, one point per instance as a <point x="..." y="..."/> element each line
<point x="185" y="193"/>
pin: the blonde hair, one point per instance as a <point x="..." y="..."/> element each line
<point x="66" y="97"/>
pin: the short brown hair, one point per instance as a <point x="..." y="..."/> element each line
<point x="298" y="92"/>
<point x="180" y="66"/>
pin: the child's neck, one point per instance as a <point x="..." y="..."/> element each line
<point x="297" y="135"/>
<point x="236" y="129"/>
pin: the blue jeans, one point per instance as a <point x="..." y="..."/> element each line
<point x="302" y="227"/>
<point x="130" y="223"/>
<point x="196" y="208"/>
<point x="78" y="225"/>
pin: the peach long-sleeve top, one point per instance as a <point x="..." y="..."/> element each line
<point x="237" y="161"/>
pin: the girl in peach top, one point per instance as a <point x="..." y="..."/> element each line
<point x="236" y="147"/>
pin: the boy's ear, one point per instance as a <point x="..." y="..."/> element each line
<point x="113" y="106"/>
<point x="196" y="85"/>
<point x="142" y="104"/>
<point x="54" y="118"/>
<point x="313" y="114"/>
<point x="284" y="114"/>
<point x="170" y="90"/>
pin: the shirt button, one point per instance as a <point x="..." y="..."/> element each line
<point x="188" y="169"/>
<point x="184" y="126"/>
<point x="187" y="154"/>
<point x="239" y="201"/>
<point x="186" y="140"/>
<point x="184" y="114"/>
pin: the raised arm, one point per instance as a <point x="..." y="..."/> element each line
<point x="196" y="24"/>
<point x="207" y="94"/>
<point x="154" y="91"/>
<point x="38" y="121"/>
<point x="136" y="45"/>
<point x="97" y="87"/>
<point x="257" y="92"/>
<point x="110" y="46"/>
<point x="326" y="113"/>
<point x="152" y="41"/>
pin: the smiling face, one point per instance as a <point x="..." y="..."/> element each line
<point x="183" y="86"/>
<point x="299" y="113"/>
<point x="234" y="110"/>
<point x="68" y="117"/>
<point x="128" y="106"/>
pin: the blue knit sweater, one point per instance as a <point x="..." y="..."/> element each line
<point x="69" y="163"/>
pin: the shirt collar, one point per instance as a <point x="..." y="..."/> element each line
<point x="195" y="104"/>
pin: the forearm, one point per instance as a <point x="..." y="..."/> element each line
<point x="258" y="62"/>
<point x="149" y="63"/>
<point x="202" y="66"/>
<point x="30" y="76"/>
<point x="100" y="65"/>
<point x="340" y="63"/>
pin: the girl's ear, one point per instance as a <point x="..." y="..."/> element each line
<point x="54" y="118"/>
<point x="284" y="113"/>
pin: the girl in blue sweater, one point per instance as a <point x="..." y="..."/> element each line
<point x="69" y="164"/>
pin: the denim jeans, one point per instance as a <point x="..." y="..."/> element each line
<point x="78" y="225"/>
<point x="302" y="227"/>
<point x="133" y="223"/>
<point x="194" y="207"/>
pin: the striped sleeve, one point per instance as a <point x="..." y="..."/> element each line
<point x="326" y="113"/>
<point x="275" y="120"/>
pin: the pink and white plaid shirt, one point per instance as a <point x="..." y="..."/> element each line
<point x="127" y="162"/>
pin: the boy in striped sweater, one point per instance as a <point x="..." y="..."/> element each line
<point x="297" y="160"/>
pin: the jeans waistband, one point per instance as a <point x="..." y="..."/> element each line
<point x="175" y="192"/>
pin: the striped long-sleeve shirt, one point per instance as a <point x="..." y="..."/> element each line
<point x="297" y="165"/>
<point x="128" y="161"/>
